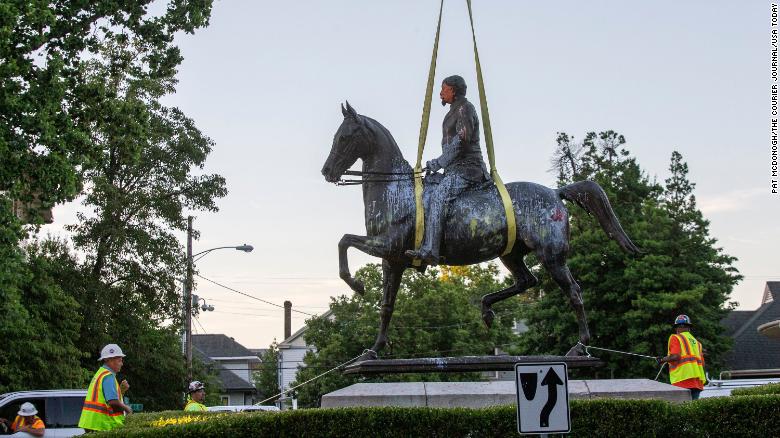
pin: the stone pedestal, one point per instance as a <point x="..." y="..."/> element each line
<point x="483" y="394"/>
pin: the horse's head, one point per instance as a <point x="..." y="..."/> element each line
<point x="352" y="141"/>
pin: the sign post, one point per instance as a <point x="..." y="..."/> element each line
<point x="542" y="398"/>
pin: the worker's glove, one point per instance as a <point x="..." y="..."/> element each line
<point x="433" y="166"/>
<point x="659" y="360"/>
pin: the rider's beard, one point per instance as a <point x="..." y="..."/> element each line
<point x="443" y="102"/>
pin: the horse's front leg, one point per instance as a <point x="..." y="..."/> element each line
<point x="370" y="245"/>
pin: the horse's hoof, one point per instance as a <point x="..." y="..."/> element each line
<point x="357" y="286"/>
<point x="577" y="350"/>
<point x="488" y="316"/>
<point x="367" y="355"/>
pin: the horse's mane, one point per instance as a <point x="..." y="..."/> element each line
<point x="382" y="134"/>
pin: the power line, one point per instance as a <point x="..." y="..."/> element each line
<point x="251" y="296"/>
<point x="201" y="325"/>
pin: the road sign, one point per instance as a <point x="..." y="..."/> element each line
<point x="542" y="397"/>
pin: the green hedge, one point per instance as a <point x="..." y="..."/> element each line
<point x="770" y="388"/>
<point x="728" y="416"/>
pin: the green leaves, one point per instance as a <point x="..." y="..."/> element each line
<point x="632" y="301"/>
<point x="436" y="314"/>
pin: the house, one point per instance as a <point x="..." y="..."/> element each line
<point x="754" y="354"/>
<point x="234" y="364"/>
<point x="291" y="352"/>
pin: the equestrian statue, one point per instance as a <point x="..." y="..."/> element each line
<point x="465" y="219"/>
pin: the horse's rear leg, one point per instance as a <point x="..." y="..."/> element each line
<point x="562" y="276"/>
<point x="372" y="247"/>
<point x="524" y="279"/>
<point x="391" y="281"/>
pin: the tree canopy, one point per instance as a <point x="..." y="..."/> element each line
<point x="631" y="301"/>
<point x="80" y="114"/>
<point x="436" y="314"/>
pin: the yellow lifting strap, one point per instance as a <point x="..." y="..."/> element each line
<point x="511" y="226"/>
<point x="419" y="229"/>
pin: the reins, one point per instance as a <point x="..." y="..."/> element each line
<point x="408" y="176"/>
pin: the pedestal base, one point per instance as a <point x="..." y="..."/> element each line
<point x="462" y="364"/>
<point x="484" y="394"/>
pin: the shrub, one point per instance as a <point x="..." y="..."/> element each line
<point x="731" y="416"/>
<point x="771" y="388"/>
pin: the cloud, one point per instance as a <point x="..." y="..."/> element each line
<point x="728" y="201"/>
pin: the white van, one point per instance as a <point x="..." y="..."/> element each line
<point x="242" y="408"/>
<point x="59" y="409"/>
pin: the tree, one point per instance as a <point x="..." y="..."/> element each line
<point x="437" y="314"/>
<point x="141" y="180"/>
<point x="46" y="107"/>
<point x="40" y="321"/>
<point x="631" y="301"/>
<point x="80" y="111"/>
<point x="267" y="379"/>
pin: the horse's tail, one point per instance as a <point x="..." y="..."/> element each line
<point x="591" y="198"/>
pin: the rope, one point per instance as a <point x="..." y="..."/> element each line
<point x="419" y="225"/>
<point x="587" y="347"/>
<point x="659" y="371"/>
<point x="316" y="377"/>
<point x="509" y="211"/>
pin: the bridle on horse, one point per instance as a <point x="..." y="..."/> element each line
<point x="407" y="176"/>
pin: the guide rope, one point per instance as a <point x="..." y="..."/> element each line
<point x="588" y="347"/>
<point x="367" y="350"/>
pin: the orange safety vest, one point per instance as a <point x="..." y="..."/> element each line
<point x="97" y="414"/>
<point x="19" y="421"/>
<point x="691" y="364"/>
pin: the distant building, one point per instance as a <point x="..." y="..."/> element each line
<point x="291" y="352"/>
<point x="754" y="354"/>
<point x="234" y="364"/>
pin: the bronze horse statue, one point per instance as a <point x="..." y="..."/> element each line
<point x="475" y="229"/>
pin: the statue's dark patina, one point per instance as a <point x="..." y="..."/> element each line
<point x="475" y="226"/>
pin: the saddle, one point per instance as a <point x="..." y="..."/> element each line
<point x="434" y="179"/>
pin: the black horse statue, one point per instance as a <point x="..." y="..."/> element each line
<point x="475" y="228"/>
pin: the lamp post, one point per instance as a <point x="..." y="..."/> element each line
<point x="188" y="289"/>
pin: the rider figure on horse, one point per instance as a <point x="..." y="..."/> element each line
<point x="461" y="160"/>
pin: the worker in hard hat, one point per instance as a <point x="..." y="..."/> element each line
<point x="685" y="357"/>
<point x="197" y="394"/>
<point x="103" y="407"/>
<point x="27" y="420"/>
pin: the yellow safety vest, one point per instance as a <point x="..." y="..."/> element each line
<point x="19" y="421"/>
<point x="691" y="364"/>
<point x="193" y="406"/>
<point x="96" y="413"/>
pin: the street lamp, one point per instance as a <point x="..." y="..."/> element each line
<point x="188" y="298"/>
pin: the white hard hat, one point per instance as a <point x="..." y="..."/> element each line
<point x="196" y="386"/>
<point x="111" y="350"/>
<point x="27" y="409"/>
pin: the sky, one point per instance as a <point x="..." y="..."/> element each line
<point x="266" y="79"/>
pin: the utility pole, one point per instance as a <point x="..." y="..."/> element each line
<point x="188" y="300"/>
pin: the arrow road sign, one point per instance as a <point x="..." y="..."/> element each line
<point x="540" y="410"/>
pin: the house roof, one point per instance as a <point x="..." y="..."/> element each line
<point x="752" y="350"/>
<point x="231" y="382"/>
<point x="220" y="346"/>
<point x="735" y="320"/>
<point x="228" y="379"/>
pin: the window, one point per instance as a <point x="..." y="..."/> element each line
<point x="224" y="400"/>
<point x="64" y="411"/>
<point x="10" y="410"/>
